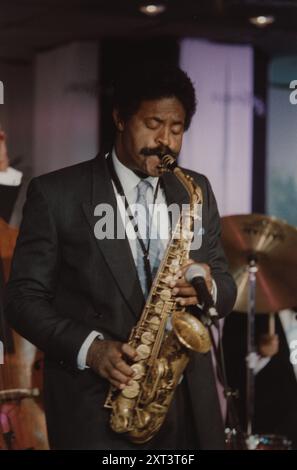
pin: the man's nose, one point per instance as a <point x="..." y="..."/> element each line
<point x="163" y="137"/>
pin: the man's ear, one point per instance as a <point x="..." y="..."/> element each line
<point x="119" y="123"/>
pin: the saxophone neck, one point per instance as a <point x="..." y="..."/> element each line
<point x="169" y="164"/>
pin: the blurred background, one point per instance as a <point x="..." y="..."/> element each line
<point x="58" y="59"/>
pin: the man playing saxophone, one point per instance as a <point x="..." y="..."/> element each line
<point x="78" y="296"/>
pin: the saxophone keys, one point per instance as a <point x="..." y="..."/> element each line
<point x="147" y="337"/>
<point x="174" y="265"/>
<point x="165" y="295"/>
<point x="187" y="235"/>
<point x="158" y="309"/>
<point x="154" y="322"/>
<point x="138" y="370"/>
<point x="143" y="351"/>
<point x="173" y="269"/>
<point x="131" y="390"/>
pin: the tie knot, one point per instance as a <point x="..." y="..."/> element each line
<point x="142" y="188"/>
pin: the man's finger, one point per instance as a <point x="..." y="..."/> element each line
<point x="179" y="282"/>
<point x="102" y="371"/>
<point x="184" y="291"/>
<point x="106" y="373"/>
<point x="184" y="301"/>
<point x="121" y="378"/>
<point x="122" y="367"/>
<point x="129" y="351"/>
<point x="116" y="384"/>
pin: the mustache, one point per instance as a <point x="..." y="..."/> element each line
<point x="159" y="151"/>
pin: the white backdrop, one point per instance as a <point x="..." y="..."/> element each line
<point x="219" y="141"/>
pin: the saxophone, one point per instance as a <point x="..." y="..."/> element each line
<point x="141" y="407"/>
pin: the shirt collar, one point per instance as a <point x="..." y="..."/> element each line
<point x="128" y="179"/>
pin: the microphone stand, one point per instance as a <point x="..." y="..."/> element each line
<point x="232" y="415"/>
<point x="210" y="317"/>
<point x="251" y="350"/>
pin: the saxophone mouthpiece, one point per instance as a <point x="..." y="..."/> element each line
<point x="168" y="163"/>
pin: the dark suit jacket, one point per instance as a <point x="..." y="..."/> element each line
<point x="65" y="283"/>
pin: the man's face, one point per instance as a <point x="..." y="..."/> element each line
<point x="157" y="125"/>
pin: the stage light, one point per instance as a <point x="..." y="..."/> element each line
<point x="262" y="21"/>
<point x="152" y="9"/>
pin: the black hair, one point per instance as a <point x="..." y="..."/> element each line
<point x="150" y="81"/>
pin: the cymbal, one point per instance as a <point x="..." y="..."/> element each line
<point x="273" y="244"/>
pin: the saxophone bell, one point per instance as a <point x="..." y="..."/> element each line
<point x="191" y="332"/>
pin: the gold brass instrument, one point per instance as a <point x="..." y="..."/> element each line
<point x="162" y="353"/>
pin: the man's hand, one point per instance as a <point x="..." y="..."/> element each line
<point x="269" y="345"/>
<point x="186" y="294"/>
<point x="106" y="358"/>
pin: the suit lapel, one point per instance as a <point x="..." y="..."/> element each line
<point x="116" y="251"/>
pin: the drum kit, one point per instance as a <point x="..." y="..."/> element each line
<point x="262" y="256"/>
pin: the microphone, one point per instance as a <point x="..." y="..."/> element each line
<point x="195" y="275"/>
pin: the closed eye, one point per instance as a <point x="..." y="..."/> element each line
<point x="177" y="129"/>
<point x="153" y="123"/>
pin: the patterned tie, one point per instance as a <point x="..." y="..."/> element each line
<point x="143" y="219"/>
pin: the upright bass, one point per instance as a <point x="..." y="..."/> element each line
<point x="22" y="421"/>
